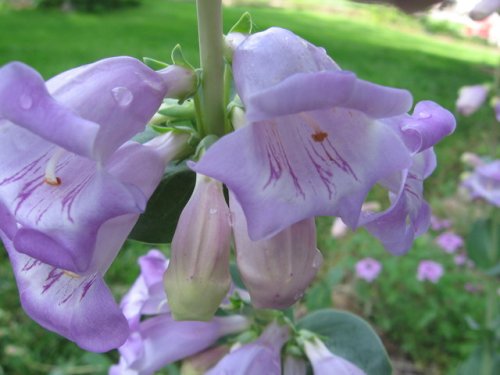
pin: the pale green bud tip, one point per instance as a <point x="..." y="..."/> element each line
<point x="193" y="299"/>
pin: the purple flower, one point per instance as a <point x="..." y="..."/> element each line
<point x="484" y="182"/>
<point x="325" y="362"/>
<point x="460" y="259"/>
<point x="429" y="270"/>
<point x="71" y="189"/>
<point x="259" y="357"/>
<point x="484" y="8"/>
<point x="198" y="278"/>
<point x="439" y="224"/>
<point x="471" y="98"/>
<point x="368" y="269"/>
<point x="147" y="295"/>
<point x="65" y="173"/>
<point x="80" y="306"/>
<point x="316" y="136"/>
<point x="276" y="271"/>
<point x="159" y="340"/>
<point x="449" y="242"/>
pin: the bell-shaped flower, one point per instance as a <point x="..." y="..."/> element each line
<point x="64" y="179"/>
<point x="324" y="362"/>
<point x="484" y="182"/>
<point x="484" y="8"/>
<point x="276" y="271"/>
<point x="317" y="139"/>
<point x="262" y="356"/>
<point x="162" y="340"/>
<point x="198" y="278"/>
<point x="471" y="98"/>
<point x="80" y="306"/>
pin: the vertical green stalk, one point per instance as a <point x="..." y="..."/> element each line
<point x="212" y="64"/>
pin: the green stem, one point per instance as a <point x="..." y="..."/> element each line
<point x="212" y="64"/>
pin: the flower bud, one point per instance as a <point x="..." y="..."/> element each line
<point x="181" y="81"/>
<point x="276" y="271"/>
<point x="325" y="362"/>
<point x="198" y="278"/>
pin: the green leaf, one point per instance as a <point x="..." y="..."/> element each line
<point x="480" y="245"/>
<point x="157" y="224"/>
<point x="179" y="59"/>
<point x="154" y="64"/>
<point x="172" y="109"/>
<point x="350" y="337"/>
<point x="244" y="25"/>
<point x="318" y="297"/>
<point x="481" y="361"/>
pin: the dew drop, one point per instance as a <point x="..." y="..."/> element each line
<point x="25" y="101"/>
<point x="122" y="96"/>
<point x="424" y="115"/>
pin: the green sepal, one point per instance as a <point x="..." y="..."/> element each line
<point x="349" y="337"/>
<point x="173" y="110"/>
<point x="157" y="224"/>
<point x="154" y="64"/>
<point x="204" y="144"/>
<point x="179" y="59"/>
<point x="244" y="25"/>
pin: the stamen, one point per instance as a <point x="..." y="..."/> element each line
<point x="318" y="134"/>
<point x="50" y="169"/>
<point x="71" y="274"/>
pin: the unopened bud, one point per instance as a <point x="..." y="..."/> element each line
<point x="182" y="82"/>
<point x="278" y="270"/>
<point x="198" y="278"/>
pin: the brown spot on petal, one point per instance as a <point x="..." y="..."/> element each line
<point x="319" y="136"/>
<point x="57" y="181"/>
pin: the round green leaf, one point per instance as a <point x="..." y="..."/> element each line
<point x="350" y="337"/>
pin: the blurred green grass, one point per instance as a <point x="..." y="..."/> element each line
<point x="380" y="45"/>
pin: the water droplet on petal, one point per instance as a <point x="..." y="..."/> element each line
<point x="212" y="211"/>
<point x="25" y="101"/>
<point x="424" y="115"/>
<point x="122" y="96"/>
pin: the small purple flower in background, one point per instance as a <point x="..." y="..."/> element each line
<point x="471" y="98"/>
<point x="484" y="8"/>
<point x="324" y="362"/>
<point x="439" y="224"/>
<point x="449" y="242"/>
<point x="368" y="269"/>
<point x="460" y="259"/>
<point x="471" y="159"/>
<point x="429" y="270"/>
<point x="484" y="182"/>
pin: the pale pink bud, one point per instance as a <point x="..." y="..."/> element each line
<point x="182" y="81"/>
<point x="276" y="271"/>
<point x="471" y="98"/>
<point x="198" y="278"/>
